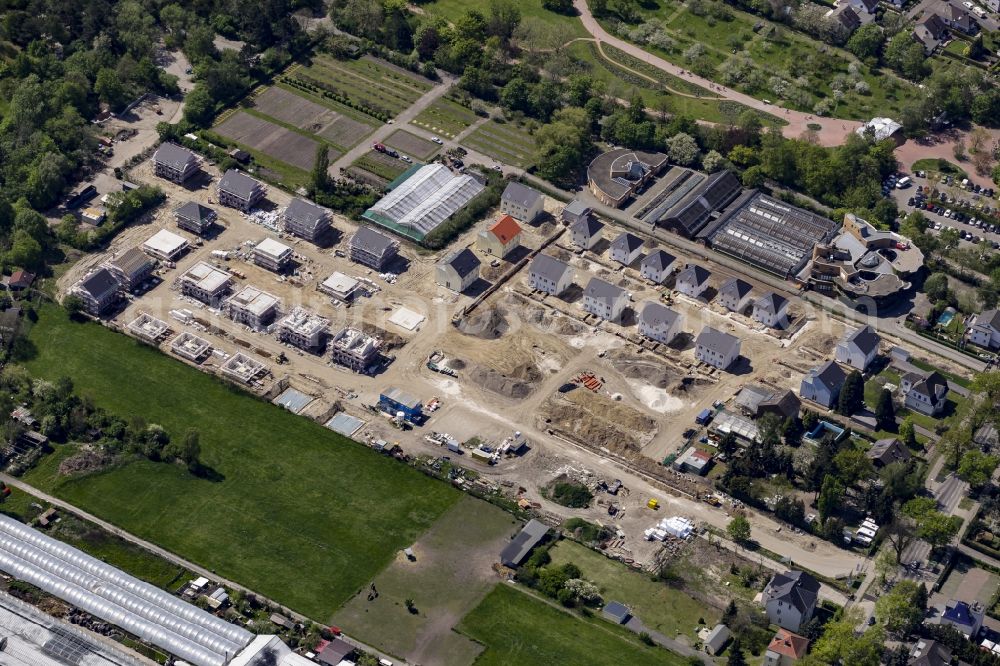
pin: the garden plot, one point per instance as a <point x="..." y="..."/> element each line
<point x="411" y="144"/>
<point x="445" y="117"/>
<point x="506" y="143"/>
<point x="273" y="140"/>
<point x="384" y="166"/>
<point x="366" y="83"/>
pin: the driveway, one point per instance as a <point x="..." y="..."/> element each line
<point x="833" y="131"/>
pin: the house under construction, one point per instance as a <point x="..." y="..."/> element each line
<point x="304" y="329"/>
<point x="149" y="328"/>
<point x="242" y="368"/>
<point x="355" y="350"/>
<point x="190" y="346"/>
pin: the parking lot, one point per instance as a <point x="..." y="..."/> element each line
<point x="947" y="203"/>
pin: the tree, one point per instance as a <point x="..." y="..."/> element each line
<point x="938" y="529"/>
<point x="977" y="468"/>
<point x="728" y="445"/>
<point x="562" y="145"/>
<point x="936" y="287"/>
<point x="866" y="42"/>
<point x="558" y="6"/>
<point x="713" y="161"/>
<point x="736" y="654"/>
<point x="682" y="149"/>
<point x="900" y="535"/>
<point x="830" y="496"/>
<point x="907" y="433"/>
<point x="898" y="611"/>
<point x="320" y="178"/>
<point x="73" y="304"/>
<point x="738" y="529"/>
<point x="852" y="394"/>
<point x="25" y="251"/>
<point x="839" y="645"/>
<point x="885" y="565"/>
<point x="853" y="465"/>
<point x="885" y="411"/>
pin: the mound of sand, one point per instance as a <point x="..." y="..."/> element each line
<point x="520" y="383"/>
<point x="487" y="324"/>
<point x="651" y="371"/>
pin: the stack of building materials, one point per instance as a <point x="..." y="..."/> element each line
<point x="675" y="526"/>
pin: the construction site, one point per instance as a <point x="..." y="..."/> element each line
<point x="326" y="336"/>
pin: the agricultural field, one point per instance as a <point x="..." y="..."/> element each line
<point x="446" y="118"/>
<point x="292" y="108"/>
<point x="518" y="628"/>
<point x="505" y="142"/>
<point x="366" y="84"/>
<point x="381" y="166"/>
<point x="660" y="607"/>
<point x="456" y="554"/>
<point x="412" y="145"/>
<point x="264" y="136"/>
<point x="295" y="511"/>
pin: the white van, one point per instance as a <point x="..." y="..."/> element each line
<point x="904" y="182"/>
<point x="979" y="11"/>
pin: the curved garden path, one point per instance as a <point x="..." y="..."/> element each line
<point x="832" y="132"/>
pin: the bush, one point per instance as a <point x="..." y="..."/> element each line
<point x="573" y="495"/>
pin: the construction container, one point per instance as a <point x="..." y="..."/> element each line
<point x="653" y="504"/>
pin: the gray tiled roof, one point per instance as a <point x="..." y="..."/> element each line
<point x="831" y="375"/>
<point x="174" y="156"/>
<point x="989" y="318"/>
<point x="601" y="290"/>
<point x="372" y="241"/>
<point x="238" y="184"/>
<point x="735" y="287"/>
<point x="771" y="302"/>
<point x="549" y="267"/>
<point x="577" y="207"/>
<point x="796" y="588"/>
<point x="626" y="241"/>
<point x="192" y="210"/>
<point x="588" y="227"/>
<point x="717" y="341"/>
<point x="99" y="283"/>
<point x="522" y="195"/>
<point x="694" y="274"/>
<point x="464" y="261"/>
<point x="305" y="211"/>
<point x="658" y="259"/>
<point x="865" y="339"/>
<point x="656" y="314"/>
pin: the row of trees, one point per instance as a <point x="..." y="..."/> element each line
<point x="64" y="417"/>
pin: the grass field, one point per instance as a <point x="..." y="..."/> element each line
<point x="505" y="142"/>
<point x="412" y="145"/>
<point x="532" y="14"/>
<point x="517" y="628"/>
<point x="301" y="514"/>
<point x="660" y="607"/>
<point x="98" y="543"/>
<point x="454" y="555"/>
<point x="445" y="117"/>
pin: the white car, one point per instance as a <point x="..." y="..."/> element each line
<point x="968" y="5"/>
<point x="436" y="140"/>
<point x="405" y="158"/>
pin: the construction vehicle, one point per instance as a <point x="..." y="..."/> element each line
<point x="653" y="504"/>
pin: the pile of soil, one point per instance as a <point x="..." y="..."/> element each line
<point x="652" y="371"/>
<point x="85" y="462"/>
<point x="520" y="383"/>
<point x="455" y="364"/>
<point x="599" y="421"/>
<point x="486" y="324"/>
<point x="390" y="340"/>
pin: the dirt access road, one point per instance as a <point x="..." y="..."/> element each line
<point x="833" y="131"/>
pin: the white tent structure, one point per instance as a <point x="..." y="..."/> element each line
<point x="144" y="610"/>
<point x="427" y="198"/>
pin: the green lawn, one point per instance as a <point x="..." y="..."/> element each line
<point x="532" y="14"/>
<point x="445" y="117"/>
<point x="517" y="628"/>
<point x="939" y="166"/>
<point x="301" y="514"/>
<point x="98" y="543"/>
<point x="660" y="607"/>
<point x="505" y="142"/>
